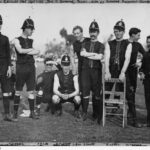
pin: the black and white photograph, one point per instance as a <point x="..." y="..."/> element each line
<point x="74" y="73"/>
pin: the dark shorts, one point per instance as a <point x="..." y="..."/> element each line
<point x="5" y="84"/>
<point x="25" y="74"/>
<point x="70" y="100"/>
<point x="91" y="80"/>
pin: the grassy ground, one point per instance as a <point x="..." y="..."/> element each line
<point x="66" y="128"/>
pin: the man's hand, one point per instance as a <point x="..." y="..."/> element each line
<point x="9" y="72"/>
<point x="142" y="76"/>
<point x="107" y="76"/>
<point x="122" y="76"/>
<point x="65" y="96"/>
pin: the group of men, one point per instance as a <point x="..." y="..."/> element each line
<point x="60" y="85"/>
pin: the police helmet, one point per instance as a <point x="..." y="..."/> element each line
<point x="94" y="27"/>
<point x="120" y="25"/>
<point x="65" y="60"/>
<point x="28" y="23"/>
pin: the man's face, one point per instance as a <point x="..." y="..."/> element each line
<point x="148" y="43"/>
<point x="118" y="34"/>
<point x="48" y="67"/>
<point x="93" y="35"/>
<point x="65" y="69"/>
<point x="29" y="31"/>
<point x="78" y="34"/>
<point x="136" y="37"/>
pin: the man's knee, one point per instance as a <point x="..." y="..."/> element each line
<point x="77" y="99"/>
<point x="40" y="93"/>
<point x="56" y="99"/>
<point x="30" y="94"/>
<point x="5" y="94"/>
<point x="17" y="93"/>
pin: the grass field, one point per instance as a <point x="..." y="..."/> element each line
<point x="67" y="129"/>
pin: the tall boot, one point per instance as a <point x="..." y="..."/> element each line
<point x="6" y="104"/>
<point x="85" y="108"/>
<point x="76" y="110"/>
<point x="16" y="106"/>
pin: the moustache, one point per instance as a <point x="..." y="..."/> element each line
<point x="92" y="36"/>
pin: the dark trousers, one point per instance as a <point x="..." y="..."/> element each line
<point x="147" y="97"/>
<point x="131" y="82"/>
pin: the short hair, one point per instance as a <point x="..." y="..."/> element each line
<point x="134" y="31"/>
<point x="77" y="27"/>
<point x="148" y="37"/>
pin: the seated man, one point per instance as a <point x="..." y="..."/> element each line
<point x="44" y="84"/>
<point x="66" y="87"/>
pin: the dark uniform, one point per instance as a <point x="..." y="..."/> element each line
<point x="66" y="86"/>
<point x="91" y="76"/>
<point x="25" y="70"/>
<point x="77" y="46"/>
<point x="145" y="68"/>
<point x="46" y="87"/>
<point x="132" y="79"/>
<point x="5" y="62"/>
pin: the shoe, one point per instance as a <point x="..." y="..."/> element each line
<point x="33" y="116"/>
<point x="58" y="113"/>
<point x="7" y="117"/>
<point x="137" y="125"/>
<point x="84" y="116"/>
<point x="77" y="114"/>
<point x="37" y="112"/>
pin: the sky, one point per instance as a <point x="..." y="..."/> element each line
<point x="50" y="18"/>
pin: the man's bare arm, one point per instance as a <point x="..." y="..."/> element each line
<point x="127" y="58"/>
<point x="76" y="86"/>
<point x="20" y="49"/>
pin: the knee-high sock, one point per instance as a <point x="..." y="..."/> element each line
<point x="6" y="104"/>
<point x="31" y="104"/>
<point x="38" y="100"/>
<point x="16" y="103"/>
<point x="85" y="104"/>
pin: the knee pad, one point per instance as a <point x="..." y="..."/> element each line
<point x="56" y="99"/>
<point x="31" y="95"/>
<point x="40" y="93"/>
<point x="6" y="94"/>
<point x="77" y="99"/>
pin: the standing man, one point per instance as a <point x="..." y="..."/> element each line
<point x="5" y="71"/>
<point x="77" y="46"/>
<point x="132" y="72"/>
<point x="66" y="87"/>
<point x="91" y="74"/>
<point x="25" y="68"/>
<point x="145" y="74"/>
<point x="117" y="58"/>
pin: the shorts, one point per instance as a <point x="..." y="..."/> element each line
<point x="5" y="84"/>
<point x="25" y="74"/>
<point x="91" y="80"/>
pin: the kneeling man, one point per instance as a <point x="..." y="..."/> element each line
<point x="66" y="87"/>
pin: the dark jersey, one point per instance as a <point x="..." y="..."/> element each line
<point x="5" y="60"/>
<point x="25" y="43"/>
<point x="136" y="47"/>
<point x="145" y="68"/>
<point x="47" y="82"/>
<point x="117" y="56"/>
<point x="66" y="82"/>
<point x="77" y="46"/>
<point x="95" y="47"/>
